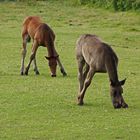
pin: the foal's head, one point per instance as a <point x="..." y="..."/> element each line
<point x="116" y="91"/>
<point x="52" y="61"/>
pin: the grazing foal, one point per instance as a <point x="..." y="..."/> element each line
<point x="98" y="56"/>
<point x="42" y="35"/>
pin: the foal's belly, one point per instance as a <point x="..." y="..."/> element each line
<point x="101" y="71"/>
<point x="100" y="68"/>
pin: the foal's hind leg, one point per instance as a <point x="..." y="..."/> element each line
<point x="25" y="37"/>
<point x="32" y="56"/>
<point x="81" y="63"/>
<point x="87" y="82"/>
<point x="85" y="71"/>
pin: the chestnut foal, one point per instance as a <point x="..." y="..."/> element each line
<point x="42" y="35"/>
<point x="98" y="56"/>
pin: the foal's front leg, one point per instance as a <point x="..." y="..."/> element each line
<point x="35" y="67"/>
<point x="124" y="104"/>
<point x="87" y="82"/>
<point x="33" y="54"/>
<point x="61" y="67"/>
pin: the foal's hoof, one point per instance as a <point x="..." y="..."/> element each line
<point x="80" y="102"/>
<point x="22" y="73"/>
<point x="124" y="105"/>
<point x="37" y="73"/>
<point x="26" y="72"/>
<point x="63" y="72"/>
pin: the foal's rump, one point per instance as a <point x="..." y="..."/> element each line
<point x="30" y="24"/>
<point x="95" y="52"/>
<point x="89" y="46"/>
<point x="31" y="20"/>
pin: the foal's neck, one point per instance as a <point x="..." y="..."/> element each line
<point x="112" y="70"/>
<point x="51" y="51"/>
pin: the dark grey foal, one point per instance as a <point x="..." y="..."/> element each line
<point x="93" y="56"/>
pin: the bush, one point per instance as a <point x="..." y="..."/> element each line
<point x="117" y="5"/>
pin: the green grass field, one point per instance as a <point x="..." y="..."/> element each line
<point x="44" y="108"/>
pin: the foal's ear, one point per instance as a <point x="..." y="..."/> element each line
<point x="122" y="82"/>
<point x="47" y="57"/>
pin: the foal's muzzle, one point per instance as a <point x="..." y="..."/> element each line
<point x="117" y="106"/>
<point x="120" y="105"/>
<point x="53" y="75"/>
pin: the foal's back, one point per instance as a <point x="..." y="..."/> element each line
<point x="38" y="31"/>
<point x="95" y="52"/>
